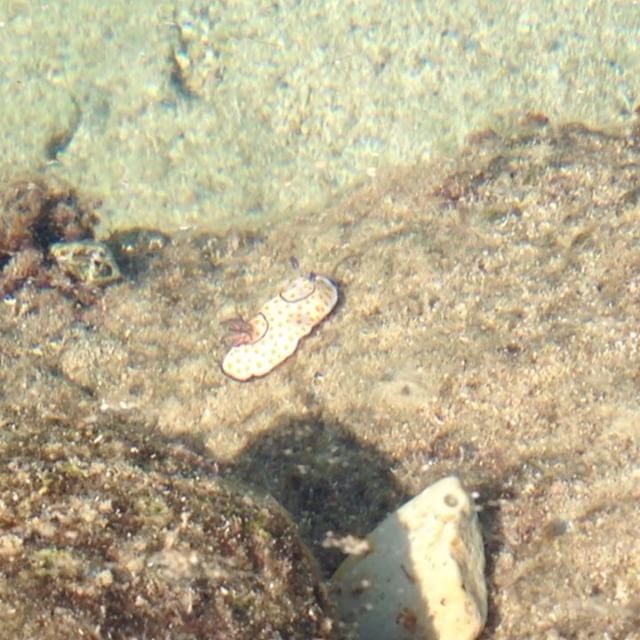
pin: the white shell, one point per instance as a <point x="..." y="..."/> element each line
<point x="423" y="576"/>
<point x="280" y="324"/>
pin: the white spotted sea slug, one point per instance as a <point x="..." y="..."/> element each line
<point x="272" y="335"/>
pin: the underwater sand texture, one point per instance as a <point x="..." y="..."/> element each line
<point x="192" y="112"/>
<point x="487" y="326"/>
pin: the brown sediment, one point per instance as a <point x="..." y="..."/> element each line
<point x="488" y="326"/>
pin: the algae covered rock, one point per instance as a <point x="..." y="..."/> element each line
<point x="41" y="224"/>
<point x="104" y="534"/>
<point x="35" y="214"/>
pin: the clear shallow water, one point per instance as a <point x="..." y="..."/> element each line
<point x="198" y="114"/>
<point x="499" y="341"/>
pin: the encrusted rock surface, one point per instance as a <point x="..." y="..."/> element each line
<point x="109" y="533"/>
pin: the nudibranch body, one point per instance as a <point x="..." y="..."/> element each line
<point x="272" y="335"/>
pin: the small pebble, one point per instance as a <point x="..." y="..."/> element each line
<point x="88" y="261"/>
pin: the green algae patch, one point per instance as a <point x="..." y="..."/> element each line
<point x="53" y="563"/>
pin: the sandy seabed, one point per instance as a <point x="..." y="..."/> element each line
<point x="488" y="326"/>
<point x="215" y="114"/>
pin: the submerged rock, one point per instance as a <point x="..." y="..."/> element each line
<point x="107" y="535"/>
<point x="421" y="576"/>
<point x="47" y="239"/>
<point x="35" y="213"/>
